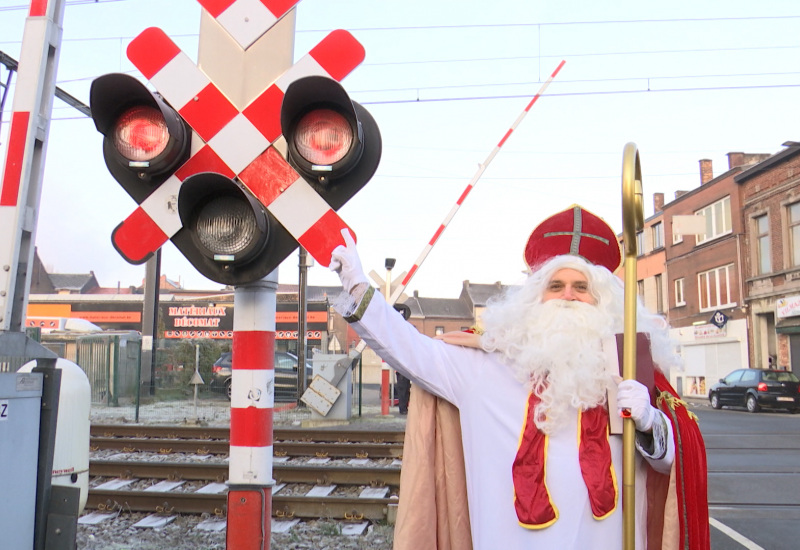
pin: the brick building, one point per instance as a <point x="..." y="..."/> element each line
<point x="706" y="295"/>
<point x="771" y="251"/>
<point x="651" y="260"/>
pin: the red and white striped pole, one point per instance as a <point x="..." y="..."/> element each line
<point x="23" y="171"/>
<point x="250" y="479"/>
<point x="481" y="169"/>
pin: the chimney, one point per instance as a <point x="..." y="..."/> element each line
<point x="658" y="202"/>
<point x="706" y="172"/>
<point x="735" y="159"/>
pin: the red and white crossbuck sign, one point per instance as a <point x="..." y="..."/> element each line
<point x="236" y="144"/>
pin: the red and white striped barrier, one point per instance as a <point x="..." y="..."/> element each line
<point x="481" y="169"/>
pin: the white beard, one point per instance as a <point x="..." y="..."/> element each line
<point x="560" y="358"/>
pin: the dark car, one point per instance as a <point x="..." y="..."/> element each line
<point x="756" y="389"/>
<point x="285" y="375"/>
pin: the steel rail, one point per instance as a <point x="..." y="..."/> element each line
<point x="345" y="508"/>
<point x="223" y="433"/>
<point x="355" y="449"/>
<point x="376" y="476"/>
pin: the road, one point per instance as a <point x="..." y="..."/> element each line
<point x="753" y="478"/>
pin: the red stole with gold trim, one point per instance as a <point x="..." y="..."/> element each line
<point x="532" y="501"/>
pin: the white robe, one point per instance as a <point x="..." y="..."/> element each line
<point x="492" y="405"/>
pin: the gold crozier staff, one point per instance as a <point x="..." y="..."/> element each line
<point x="633" y="223"/>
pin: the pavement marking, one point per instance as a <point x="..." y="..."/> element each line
<point x="741" y="539"/>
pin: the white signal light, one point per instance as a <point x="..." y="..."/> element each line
<point x="227" y="227"/>
<point x="141" y="134"/>
<point x="323" y="137"/>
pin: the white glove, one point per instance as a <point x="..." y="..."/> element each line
<point x="634" y="397"/>
<point x="346" y="263"/>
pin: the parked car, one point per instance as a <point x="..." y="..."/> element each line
<point x="285" y="375"/>
<point x="756" y="389"/>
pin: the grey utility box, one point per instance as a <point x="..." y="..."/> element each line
<point x="20" y="406"/>
<point x="325" y="365"/>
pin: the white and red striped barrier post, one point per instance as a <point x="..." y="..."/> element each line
<point x="250" y="479"/>
<point x="23" y="171"/>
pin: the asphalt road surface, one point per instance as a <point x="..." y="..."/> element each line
<point x="753" y="477"/>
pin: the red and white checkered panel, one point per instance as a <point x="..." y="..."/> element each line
<point x="206" y="108"/>
<point x="239" y="140"/>
<point x="156" y="219"/>
<point x="247" y="20"/>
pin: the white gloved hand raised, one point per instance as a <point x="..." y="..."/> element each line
<point x="346" y="263"/>
<point x="634" y="397"/>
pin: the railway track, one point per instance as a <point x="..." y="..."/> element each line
<point x="335" y="474"/>
<point x="286" y="442"/>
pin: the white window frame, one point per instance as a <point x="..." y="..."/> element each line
<point x="763" y="248"/>
<point x="658" y="235"/>
<point x="680" y="296"/>
<point x="659" y="293"/>
<point x="719" y="272"/>
<point x="640" y="248"/>
<point x="712" y="219"/>
<point x="792" y="236"/>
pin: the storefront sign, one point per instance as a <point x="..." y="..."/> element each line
<point x="788" y="306"/>
<point x="215" y="321"/>
<point x="704" y="332"/>
<point x="292" y="335"/>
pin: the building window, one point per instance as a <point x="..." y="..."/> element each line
<point x="438" y="331"/>
<point x="794" y="233"/>
<point x="696" y="385"/>
<point x="714" y="288"/>
<point x="640" y="243"/>
<point x="677" y="238"/>
<point x="658" y="235"/>
<point x="763" y="262"/>
<point x="679" y="300"/>
<point x="640" y="288"/>
<point x="659" y="294"/>
<point x="718" y="220"/>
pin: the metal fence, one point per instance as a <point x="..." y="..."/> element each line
<point x="178" y="387"/>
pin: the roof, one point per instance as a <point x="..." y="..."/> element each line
<point x="289" y="293"/>
<point x="792" y="149"/>
<point x="453" y="308"/>
<point x="480" y="294"/>
<point x="77" y="282"/>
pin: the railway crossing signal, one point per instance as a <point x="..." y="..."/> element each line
<point x="234" y="206"/>
<point x="333" y="142"/>
<point x="144" y="139"/>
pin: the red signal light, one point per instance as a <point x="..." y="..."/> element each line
<point x="141" y="134"/>
<point x="323" y="137"/>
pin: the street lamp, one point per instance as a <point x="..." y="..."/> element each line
<point x="385" y="373"/>
<point x="389" y="265"/>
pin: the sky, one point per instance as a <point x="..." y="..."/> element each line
<point x="445" y="80"/>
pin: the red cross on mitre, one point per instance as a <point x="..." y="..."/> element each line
<point x="577" y="232"/>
